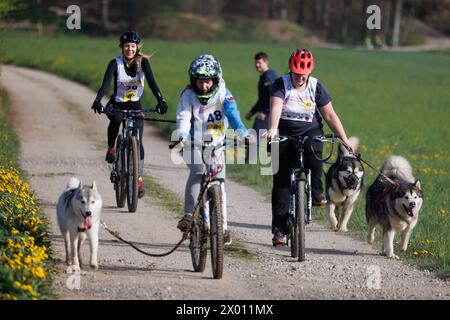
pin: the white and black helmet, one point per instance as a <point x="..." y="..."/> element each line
<point x="205" y="67"/>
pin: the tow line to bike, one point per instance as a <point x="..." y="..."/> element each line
<point x="160" y="120"/>
<point x="116" y="235"/>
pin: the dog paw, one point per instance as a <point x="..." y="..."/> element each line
<point x="73" y="268"/>
<point x="341" y="229"/>
<point x="393" y="256"/>
<point x="94" y="266"/>
<point x="334" y="228"/>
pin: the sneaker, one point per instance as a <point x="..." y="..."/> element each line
<point x="227" y="237"/>
<point x="141" y="190"/>
<point x="320" y="201"/>
<point x="110" y="155"/>
<point x="278" y="239"/>
<point x="185" y="224"/>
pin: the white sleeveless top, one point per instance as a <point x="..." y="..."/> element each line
<point x="208" y="119"/>
<point x="299" y="105"/>
<point x="128" y="88"/>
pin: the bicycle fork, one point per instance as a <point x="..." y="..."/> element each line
<point x="292" y="206"/>
<point x="205" y="207"/>
<point x="309" y="197"/>
<point x="292" y="201"/>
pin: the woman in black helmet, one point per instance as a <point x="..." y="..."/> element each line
<point x="128" y="70"/>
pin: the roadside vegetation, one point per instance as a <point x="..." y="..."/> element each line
<point x="24" y="246"/>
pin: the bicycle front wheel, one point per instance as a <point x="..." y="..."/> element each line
<point x="216" y="230"/>
<point x="199" y="243"/>
<point x="300" y="214"/>
<point x="293" y="236"/>
<point x="132" y="174"/>
<point x="119" y="182"/>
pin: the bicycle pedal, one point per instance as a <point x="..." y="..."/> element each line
<point x="113" y="176"/>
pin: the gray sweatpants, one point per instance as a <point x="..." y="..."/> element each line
<point x="196" y="167"/>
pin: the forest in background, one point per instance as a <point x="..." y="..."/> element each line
<point x="334" y="21"/>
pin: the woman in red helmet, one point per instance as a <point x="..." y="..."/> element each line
<point x="298" y="104"/>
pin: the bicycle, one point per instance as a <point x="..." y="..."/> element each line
<point x="300" y="204"/>
<point x="125" y="168"/>
<point x="208" y="211"/>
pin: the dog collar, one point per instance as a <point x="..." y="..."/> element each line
<point x="81" y="229"/>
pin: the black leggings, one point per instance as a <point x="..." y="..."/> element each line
<point x="280" y="188"/>
<point x="114" y="124"/>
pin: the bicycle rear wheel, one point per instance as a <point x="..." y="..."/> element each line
<point x="132" y="174"/>
<point x="199" y="243"/>
<point x="300" y="216"/>
<point x="119" y="182"/>
<point x="216" y="230"/>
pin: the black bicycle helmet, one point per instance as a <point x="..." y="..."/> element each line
<point x="130" y="36"/>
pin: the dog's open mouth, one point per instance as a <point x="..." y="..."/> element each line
<point x="409" y="210"/>
<point x="87" y="222"/>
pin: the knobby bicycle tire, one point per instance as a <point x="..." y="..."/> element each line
<point x="119" y="183"/>
<point x="300" y="216"/>
<point x="132" y="174"/>
<point x="199" y="243"/>
<point x="216" y="229"/>
<point x="293" y="236"/>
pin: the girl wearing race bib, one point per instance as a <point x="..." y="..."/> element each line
<point x="206" y="107"/>
<point x="298" y="103"/>
<point x="129" y="70"/>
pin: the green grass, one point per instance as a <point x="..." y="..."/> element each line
<point x="396" y="103"/>
<point x="9" y="142"/>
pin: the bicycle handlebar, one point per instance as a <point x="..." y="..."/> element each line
<point x="302" y="140"/>
<point x="321" y="138"/>
<point x="204" y="144"/>
<point x="110" y="109"/>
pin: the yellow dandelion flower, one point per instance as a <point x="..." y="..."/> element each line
<point x="38" y="272"/>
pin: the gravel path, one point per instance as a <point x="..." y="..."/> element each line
<point x="61" y="137"/>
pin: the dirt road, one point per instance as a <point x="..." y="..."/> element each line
<point x="61" y="137"/>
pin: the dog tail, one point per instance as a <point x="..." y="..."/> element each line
<point x="73" y="183"/>
<point x="398" y="167"/>
<point x="343" y="152"/>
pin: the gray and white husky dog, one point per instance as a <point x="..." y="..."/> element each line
<point x="394" y="206"/>
<point x="344" y="181"/>
<point x="78" y="213"/>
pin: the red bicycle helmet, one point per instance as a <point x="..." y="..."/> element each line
<point x="301" y="61"/>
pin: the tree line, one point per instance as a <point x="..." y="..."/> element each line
<point x="339" y="21"/>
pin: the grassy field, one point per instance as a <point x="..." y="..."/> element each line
<point x="396" y="103"/>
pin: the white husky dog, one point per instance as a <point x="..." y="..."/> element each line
<point x="78" y="213"/>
